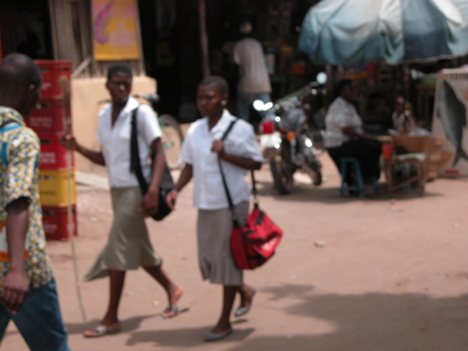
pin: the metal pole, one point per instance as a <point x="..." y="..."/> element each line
<point x="203" y="38"/>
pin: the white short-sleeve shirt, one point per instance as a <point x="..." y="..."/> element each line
<point x="209" y="192"/>
<point x="254" y="78"/>
<point x="115" y="141"/>
<point x="340" y="114"/>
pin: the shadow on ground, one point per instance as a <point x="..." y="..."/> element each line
<point x="370" y="322"/>
<point x="331" y="195"/>
<point x="128" y="324"/>
<point x="365" y="322"/>
<point x="185" y="337"/>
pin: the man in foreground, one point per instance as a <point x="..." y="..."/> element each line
<point x="28" y="293"/>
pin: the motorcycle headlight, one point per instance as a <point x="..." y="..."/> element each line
<point x="258" y="105"/>
<point x="293" y="119"/>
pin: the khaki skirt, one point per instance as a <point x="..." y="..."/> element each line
<point x="128" y="245"/>
<point x="214" y="252"/>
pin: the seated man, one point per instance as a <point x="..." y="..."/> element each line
<point x="345" y="137"/>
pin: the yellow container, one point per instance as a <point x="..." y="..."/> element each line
<point x="53" y="187"/>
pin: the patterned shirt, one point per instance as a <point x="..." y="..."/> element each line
<point x="19" y="155"/>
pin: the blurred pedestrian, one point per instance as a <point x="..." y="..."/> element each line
<point x="128" y="246"/>
<point x="28" y="294"/>
<point x="254" y="81"/>
<point x="238" y="153"/>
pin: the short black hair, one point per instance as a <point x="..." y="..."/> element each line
<point x="218" y="82"/>
<point x="119" y="68"/>
<point x="341" y="85"/>
<point x="18" y="71"/>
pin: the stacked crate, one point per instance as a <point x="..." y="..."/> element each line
<point x="51" y="120"/>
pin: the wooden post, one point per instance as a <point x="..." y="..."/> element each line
<point x="1" y="48"/>
<point x="203" y="39"/>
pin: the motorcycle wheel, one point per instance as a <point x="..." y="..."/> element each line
<point x="282" y="177"/>
<point x="172" y="139"/>
<point x="316" y="174"/>
<point x="317" y="178"/>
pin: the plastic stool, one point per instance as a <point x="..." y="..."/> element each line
<point x="358" y="183"/>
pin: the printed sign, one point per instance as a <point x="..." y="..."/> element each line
<point x="451" y="115"/>
<point x="115" y="30"/>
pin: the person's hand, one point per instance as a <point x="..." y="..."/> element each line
<point x="171" y="198"/>
<point x="14" y="290"/>
<point x="217" y="147"/>
<point x="69" y="141"/>
<point x="369" y="137"/>
<point x="150" y="203"/>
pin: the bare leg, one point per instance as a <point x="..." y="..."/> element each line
<point x="246" y="293"/>
<point x="173" y="292"/>
<point x="117" y="279"/>
<point x="223" y="324"/>
<point x="110" y="322"/>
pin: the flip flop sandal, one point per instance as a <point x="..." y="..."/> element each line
<point x="212" y="336"/>
<point x="170" y="312"/>
<point x="102" y="330"/>
<point x="243" y="310"/>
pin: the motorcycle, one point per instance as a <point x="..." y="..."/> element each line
<point x="287" y="141"/>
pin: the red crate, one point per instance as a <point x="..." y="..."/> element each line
<point x="55" y="221"/>
<point x="49" y="117"/>
<point x="53" y="152"/>
<point x="52" y="73"/>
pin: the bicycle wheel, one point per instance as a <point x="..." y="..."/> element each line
<point x="172" y="139"/>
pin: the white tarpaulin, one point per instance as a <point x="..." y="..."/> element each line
<point x="451" y="115"/>
<point x="355" y="31"/>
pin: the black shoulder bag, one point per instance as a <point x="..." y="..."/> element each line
<point x="135" y="167"/>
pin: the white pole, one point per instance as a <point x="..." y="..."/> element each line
<point x="65" y="85"/>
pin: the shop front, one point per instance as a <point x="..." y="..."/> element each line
<point x="175" y="57"/>
<point x="91" y="35"/>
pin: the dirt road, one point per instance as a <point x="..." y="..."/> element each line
<point x="372" y="274"/>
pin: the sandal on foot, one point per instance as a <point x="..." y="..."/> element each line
<point x="102" y="330"/>
<point x="213" y="336"/>
<point x="243" y="310"/>
<point x="170" y="312"/>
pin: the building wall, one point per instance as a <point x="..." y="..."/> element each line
<point x="86" y="95"/>
<point x="71" y="25"/>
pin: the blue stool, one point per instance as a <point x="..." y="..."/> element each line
<point x="351" y="164"/>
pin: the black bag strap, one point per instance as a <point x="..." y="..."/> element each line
<point x="226" y="189"/>
<point x="135" y="164"/>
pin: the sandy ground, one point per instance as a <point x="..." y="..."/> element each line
<point x="372" y="274"/>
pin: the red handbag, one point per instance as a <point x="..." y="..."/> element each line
<point x="255" y="242"/>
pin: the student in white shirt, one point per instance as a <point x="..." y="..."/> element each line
<point x="128" y="246"/>
<point x="239" y="153"/>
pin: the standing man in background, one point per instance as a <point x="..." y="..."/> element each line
<point x="254" y="82"/>
<point x="28" y="294"/>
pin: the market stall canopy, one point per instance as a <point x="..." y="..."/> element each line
<point x="394" y="31"/>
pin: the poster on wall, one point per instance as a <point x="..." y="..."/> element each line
<point x="115" y="30"/>
<point x="451" y="116"/>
